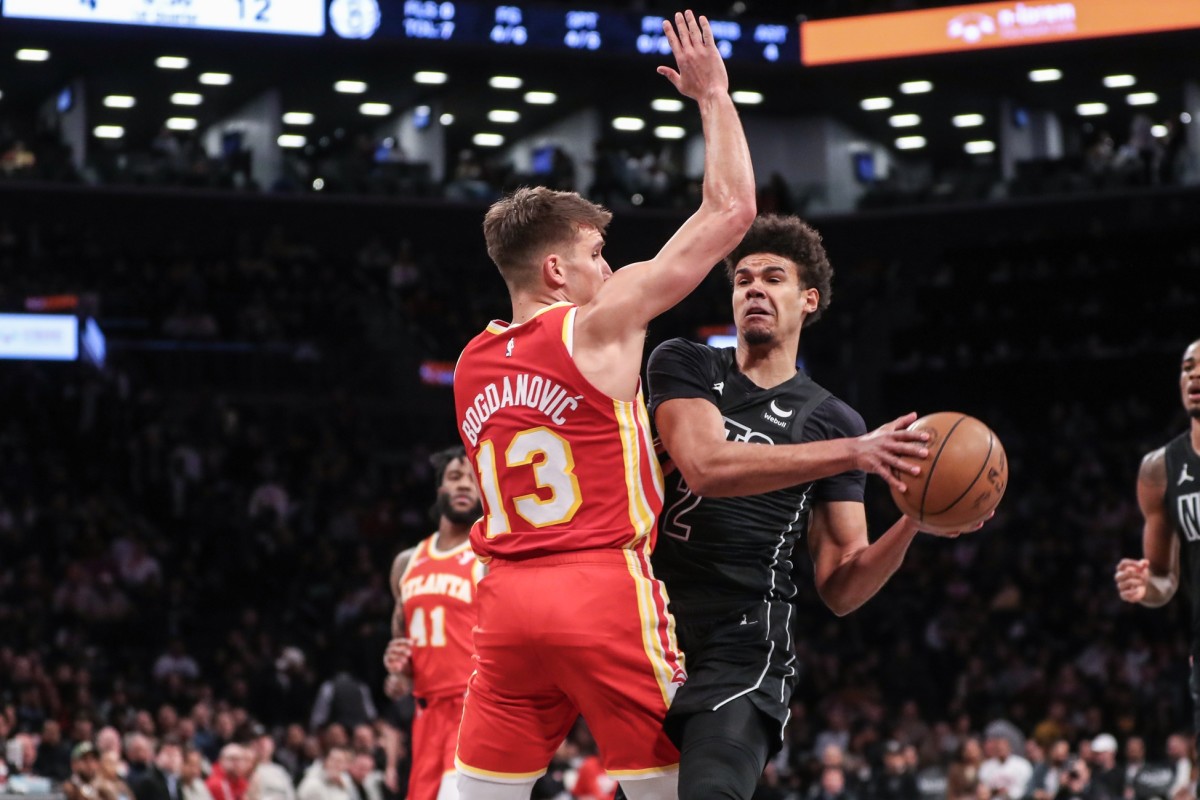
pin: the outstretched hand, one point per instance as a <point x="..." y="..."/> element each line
<point x="884" y="449"/>
<point x="701" y="70"/>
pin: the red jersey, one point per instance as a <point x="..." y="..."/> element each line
<point x="438" y="592"/>
<point x="561" y="466"/>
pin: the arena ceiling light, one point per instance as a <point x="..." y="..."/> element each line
<point x="32" y="54"/>
<point x="108" y="131"/>
<point x="350" y="87"/>
<point x="980" y="147"/>
<point x="504" y="116"/>
<point x="1045" y="75"/>
<point x="629" y="123"/>
<point x="1185" y="118"/>
<point x="541" y="98"/>
<point x="505" y="82"/>
<point x="1159" y="131"/>
<point x="186" y="99"/>
<point x="875" y="104"/>
<point x="910" y="142"/>
<point x="916" y="87"/>
<point x="669" y="132"/>
<point x="292" y="141"/>
<point x="967" y="120"/>
<point x="668" y="105"/>
<point x="171" y="62"/>
<point x="181" y="124"/>
<point x="298" y="118"/>
<point x="1141" y="99"/>
<point x="1091" y="109"/>
<point x="1119" y="81"/>
<point x="746" y="98"/>
<point x="904" y="120"/>
<point x="430" y="77"/>
<point x="216" y="78"/>
<point x="446" y="119"/>
<point x="488" y="139"/>
<point x="375" y="109"/>
<point x="119" y="101"/>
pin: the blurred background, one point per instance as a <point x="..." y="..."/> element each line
<point x="240" y="250"/>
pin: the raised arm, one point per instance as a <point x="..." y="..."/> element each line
<point x="1153" y="579"/>
<point x="642" y="291"/>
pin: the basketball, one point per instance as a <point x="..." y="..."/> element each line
<point x="963" y="477"/>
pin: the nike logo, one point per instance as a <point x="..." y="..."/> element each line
<point x="719" y="388"/>
<point x="781" y="412"/>
<point x="1184" y="477"/>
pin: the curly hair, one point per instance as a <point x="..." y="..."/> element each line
<point x="442" y="459"/>
<point x="792" y="238"/>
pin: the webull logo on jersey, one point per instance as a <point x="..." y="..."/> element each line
<point x="531" y="391"/>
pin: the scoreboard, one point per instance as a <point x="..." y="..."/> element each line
<point x="583" y="29"/>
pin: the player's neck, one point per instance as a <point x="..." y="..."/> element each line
<point x="1196" y="435"/>
<point x="450" y="535"/>
<point x="526" y="305"/>
<point x="767" y="365"/>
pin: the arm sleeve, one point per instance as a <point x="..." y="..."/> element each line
<point x="679" y="368"/>
<point x="833" y="419"/>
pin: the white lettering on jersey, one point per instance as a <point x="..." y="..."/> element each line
<point x="531" y="391"/>
<point x="1189" y="516"/>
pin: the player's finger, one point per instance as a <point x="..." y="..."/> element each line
<point x="681" y="31"/>
<point x="670" y="75"/>
<point x="904" y="466"/>
<point x="693" y="29"/>
<point x="914" y="449"/>
<point x="903" y="422"/>
<point x="706" y="31"/>
<point x="892" y="480"/>
<point x="672" y="37"/>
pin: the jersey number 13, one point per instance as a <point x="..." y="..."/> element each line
<point x="553" y="464"/>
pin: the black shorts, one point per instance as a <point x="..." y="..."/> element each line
<point x="744" y="652"/>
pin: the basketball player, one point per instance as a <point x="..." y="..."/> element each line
<point x="734" y="509"/>
<point x="1168" y="492"/>
<point x="434" y="585"/>
<point x="571" y="619"/>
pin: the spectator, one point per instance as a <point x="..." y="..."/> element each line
<point x="81" y="785"/>
<point x="269" y="780"/>
<point x="139" y="753"/>
<point x="191" y="776"/>
<point x="176" y="661"/>
<point x="832" y="786"/>
<point x="1135" y="761"/>
<point x="365" y="777"/>
<point x="162" y="781"/>
<point x="343" y="699"/>
<point x="1048" y="775"/>
<point x="53" y="754"/>
<point x="1104" y="765"/>
<point x="1078" y="784"/>
<point x="1179" y="751"/>
<point x="896" y="780"/>
<point x="108" y="780"/>
<point x="1004" y="774"/>
<point x="291" y="754"/>
<point x="329" y="780"/>
<point x="228" y="779"/>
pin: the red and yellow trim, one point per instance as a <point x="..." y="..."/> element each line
<point x="497" y="777"/>
<point x="635" y="774"/>
<point x="658" y="626"/>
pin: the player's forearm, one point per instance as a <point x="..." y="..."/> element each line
<point x="728" y="172"/>
<point x="1159" y="590"/>
<point x="734" y="469"/>
<point x="860" y="576"/>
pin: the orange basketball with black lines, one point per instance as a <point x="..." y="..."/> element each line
<point x="961" y="480"/>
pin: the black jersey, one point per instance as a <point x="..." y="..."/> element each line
<point x="1183" y="509"/>
<point x="717" y="552"/>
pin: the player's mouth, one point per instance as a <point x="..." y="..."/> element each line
<point x="756" y="311"/>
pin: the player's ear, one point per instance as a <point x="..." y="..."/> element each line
<point x="812" y="299"/>
<point x="553" y="271"/>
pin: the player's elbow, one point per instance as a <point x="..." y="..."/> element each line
<point x="701" y="479"/>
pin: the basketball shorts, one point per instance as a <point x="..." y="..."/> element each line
<point x="741" y="651"/>
<point x="563" y="635"/>
<point x="434" y="735"/>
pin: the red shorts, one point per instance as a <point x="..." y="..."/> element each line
<point x="562" y="635"/>
<point x="434" y="733"/>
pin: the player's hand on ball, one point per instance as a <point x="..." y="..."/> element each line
<point x="886" y="448"/>
<point x="397" y="658"/>
<point x="1132" y="577"/>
